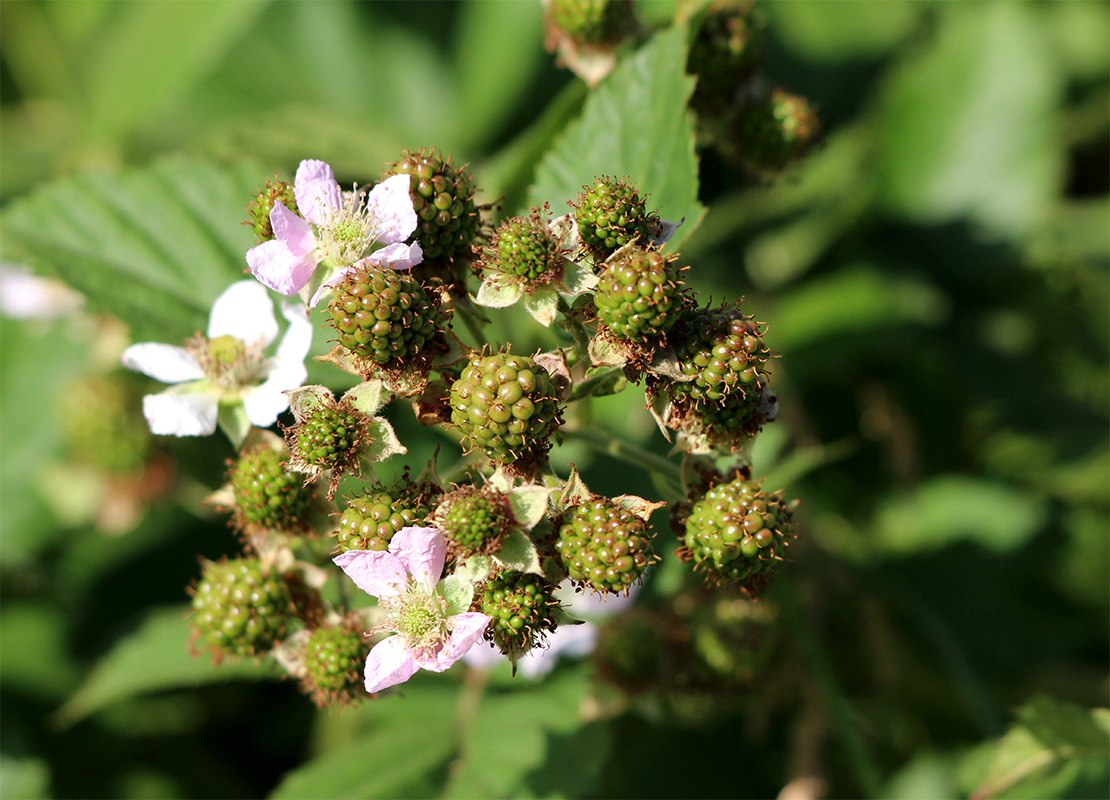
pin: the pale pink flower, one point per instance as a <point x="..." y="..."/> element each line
<point x="430" y="634"/>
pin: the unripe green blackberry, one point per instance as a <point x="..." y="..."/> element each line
<point x="444" y="202"/>
<point x="522" y="610"/>
<point x="333" y="660"/>
<point x="101" y="416"/>
<point x="631" y="650"/>
<point x="384" y="315"/>
<point x="329" y="436"/>
<point x="739" y="416"/>
<point x="591" y="21"/>
<point x="259" y="208"/>
<point x="611" y="213"/>
<point x="722" y="351"/>
<point x="724" y="52"/>
<point x="266" y="494"/>
<point x="604" y="546"/>
<point x="239" y="609"/>
<point x="526" y="249"/>
<point x="371" y="519"/>
<point x="639" y="295"/>
<point x="475" y="521"/>
<point x="737" y="532"/>
<point x="506" y="405"/>
<point x="777" y="131"/>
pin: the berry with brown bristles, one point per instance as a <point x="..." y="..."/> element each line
<point x="639" y="295"/>
<point x="266" y="494"/>
<point x="604" y="546"/>
<point x="522" y="609"/>
<point x="611" y="213"/>
<point x="240" y="607"/>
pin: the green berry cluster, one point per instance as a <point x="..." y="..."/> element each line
<point x="329" y="436"/>
<point x="239" y="608"/>
<point x="474" y="521"/>
<point x="266" y="494"/>
<point x="526" y="248"/>
<point x="259" y="208"/>
<point x="371" y="519"/>
<point x="333" y="659"/>
<point x="522" y="610"/>
<point x="737" y="532"/>
<point x="444" y="201"/>
<point x="725" y="50"/>
<point x="506" y="405"/>
<point x="591" y="21"/>
<point x="604" y="546"/>
<point x="611" y="213"/>
<point x="779" y="130"/>
<point x="721" y="350"/>
<point x="639" y="295"/>
<point x="384" y="315"/>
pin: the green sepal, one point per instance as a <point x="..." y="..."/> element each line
<point x="457" y="592"/>
<point x="343" y="358"/>
<point x="578" y="278"/>
<point x="528" y="504"/>
<point x="234" y="422"/>
<point x="637" y="505"/>
<point x="543" y="305"/>
<point x="574" y="492"/>
<point x="306" y="399"/>
<point x="456" y="351"/>
<point x="497" y="294"/>
<point x="318" y="278"/>
<point x="519" y="553"/>
<point x="369" y="397"/>
<point x="383" y="441"/>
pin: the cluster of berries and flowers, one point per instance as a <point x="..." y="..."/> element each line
<point x="481" y="557"/>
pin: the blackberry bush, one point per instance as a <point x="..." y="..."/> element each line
<point x="444" y="202"/>
<point x="371" y="519"/>
<point x="333" y="661"/>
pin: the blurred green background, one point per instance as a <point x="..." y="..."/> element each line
<point x="934" y="276"/>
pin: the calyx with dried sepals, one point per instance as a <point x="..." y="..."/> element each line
<point x="737" y="533"/>
<point x="603" y="543"/>
<point x="386" y="318"/>
<point x="263" y="201"/>
<point x="585" y="34"/>
<point x="449" y="219"/>
<point x="240" y="607"/>
<point x="507" y="406"/>
<point x="522" y="608"/>
<point x="336" y="437"/>
<point x="333" y="661"/>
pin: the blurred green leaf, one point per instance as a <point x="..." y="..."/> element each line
<point x="153" y="658"/>
<point x="1082" y="36"/>
<point x="635" y="123"/>
<point x="929" y="776"/>
<point x="24" y="778"/>
<point x="857" y="299"/>
<point x="967" y="125"/>
<point x="836" y="30"/>
<point x="409" y="741"/>
<point x="951" y="508"/>
<point x="33" y="655"/>
<point x="153" y="246"/>
<point x="511" y="736"/>
<point x="1045" y="745"/>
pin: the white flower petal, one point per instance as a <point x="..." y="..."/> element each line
<point x="388" y="664"/>
<point x="297" y="341"/>
<point x="24" y="295"/>
<point x="246" y="312"/>
<point x="422" y="551"/>
<point x="164" y="362"/>
<point x="398" y="256"/>
<point x="316" y="191"/>
<point x="264" y="403"/>
<point x="572" y="641"/>
<point x="182" y="414"/>
<point x="275" y="265"/>
<point x="390" y="204"/>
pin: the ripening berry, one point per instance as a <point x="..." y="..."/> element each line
<point x="475" y="521"/>
<point x="372" y="518"/>
<point x="611" y="213"/>
<point x="777" y="131"/>
<point x="722" y="351"/>
<point x="639" y="295"/>
<point x="724" y="52"/>
<point x="333" y="660"/>
<point x="522" y="610"/>
<point x="266" y="494"/>
<point x="505" y="405"/>
<point x="526" y="249"/>
<point x="737" y="532"/>
<point x="259" y="208"/>
<point x="443" y="198"/>
<point x="604" y="546"/>
<point x="239" y="608"/>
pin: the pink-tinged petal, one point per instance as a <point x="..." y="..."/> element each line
<point x="388" y="664"/>
<point x="376" y="572"/>
<point x="398" y="256"/>
<point x="164" y="362"/>
<point x="390" y="204"/>
<point x="316" y="191"/>
<point x="246" y="312"/>
<point x="422" y="551"/>
<point x="292" y="230"/>
<point x="182" y="414"/>
<point x="278" y="267"/>
<point x="466" y="630"/>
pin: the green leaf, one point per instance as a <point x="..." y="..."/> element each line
<point x="951" y="508"/>
<point x="153" y="658"/>
<point x="411" y="738"/>
<point x="1050" y="737"/>
<point x="154" y="246"/>
<point x="512" y="737"/>
<point x="635" y="123"/>
<point x="835" y="31"/>
<point x="35" y="656"/>
<point x="968" y="127"/>
<point x="24" y="778"/>
<point x="529" y="504"/>
<point x="495" y="294"/>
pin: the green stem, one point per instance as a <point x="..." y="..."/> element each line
<point x="588" y="386"/>
<point x="626" y="451"/>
